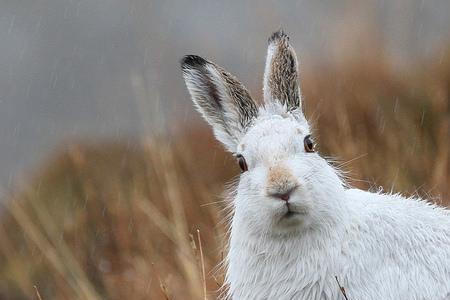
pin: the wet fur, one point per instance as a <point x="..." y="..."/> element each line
<point x="379" y="246"/>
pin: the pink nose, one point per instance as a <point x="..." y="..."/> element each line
<point x="285" y="197"/>
<point x="281" y="182"/>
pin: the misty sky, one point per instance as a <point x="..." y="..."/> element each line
<point x="84" y="68"/>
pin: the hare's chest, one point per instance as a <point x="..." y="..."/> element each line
<point x="281" y="276"/>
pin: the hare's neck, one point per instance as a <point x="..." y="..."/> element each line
<point x="260" y="266"/>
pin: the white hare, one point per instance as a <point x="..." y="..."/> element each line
<point x="296" y="225"/>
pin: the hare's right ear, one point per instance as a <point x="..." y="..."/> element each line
<point x="221" y="99"/>
<point x="281" y="73"/>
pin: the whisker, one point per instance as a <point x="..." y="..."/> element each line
<point x="353" y="159"/>
<point x="212" y="203"/>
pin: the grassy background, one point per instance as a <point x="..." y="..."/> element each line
<point x="113" y="220"/>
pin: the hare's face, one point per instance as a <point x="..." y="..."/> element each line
<point x="285" y="185"/>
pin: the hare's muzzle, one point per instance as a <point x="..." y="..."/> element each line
<point x="281" y="182"/>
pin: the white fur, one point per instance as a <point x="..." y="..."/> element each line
<point x="379" y="246"/>
<point x="266" y="91"/>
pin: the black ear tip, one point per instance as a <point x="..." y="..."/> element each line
<point x="191" y="61"/>
<point x="278" y="35"/>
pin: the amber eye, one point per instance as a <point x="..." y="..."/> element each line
<point x="309" y="144"/>
<point x="242" y="163"/>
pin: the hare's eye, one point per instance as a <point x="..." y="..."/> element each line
<point x="309" y="144"/>
<point x="242" y="163"/>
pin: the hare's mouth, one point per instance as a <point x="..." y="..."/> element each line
<point x="293" y="211"/>
<point x="290" y="214"/>
<point x="291" y="218"/>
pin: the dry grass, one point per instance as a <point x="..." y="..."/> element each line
<point x="139" y="220"/>
<point x="114" y="221"/>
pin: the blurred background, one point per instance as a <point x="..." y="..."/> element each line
<point x="110" y="183"/>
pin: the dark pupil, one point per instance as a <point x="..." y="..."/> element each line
<point x="242" y="163"/>
<point x="309" y="144"/>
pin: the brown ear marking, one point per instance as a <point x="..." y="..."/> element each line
<point x="222" y="100"/>
<point x="278" y="35"/>
<point x="190" y="61"/>
<point x="281" y="78"/>
<point x="236" y="92"/>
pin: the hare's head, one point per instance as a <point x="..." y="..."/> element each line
<point x="285" y="185"/>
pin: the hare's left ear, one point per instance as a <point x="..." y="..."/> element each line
<point x="281" y="73"/>
<point x="221" y="99"/>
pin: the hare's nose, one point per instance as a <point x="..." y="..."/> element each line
<point x="281" y="182"/>
<point x="284" y="196"/>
